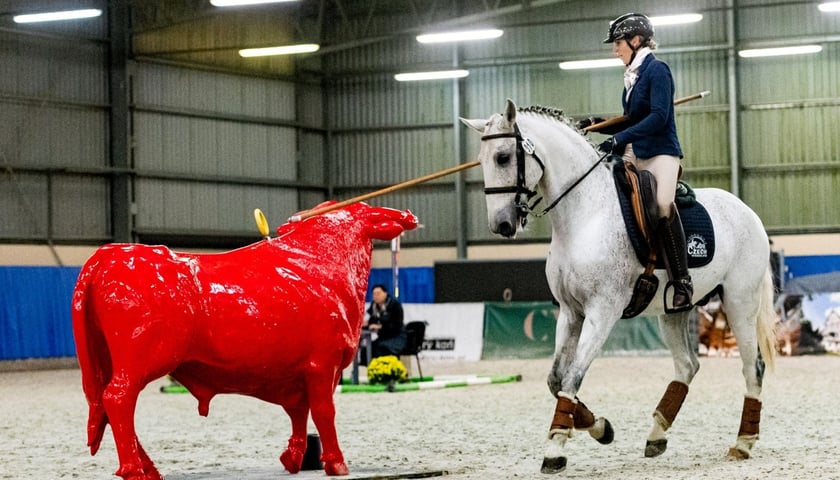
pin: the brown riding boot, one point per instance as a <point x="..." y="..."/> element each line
<point x="672" y="240"/>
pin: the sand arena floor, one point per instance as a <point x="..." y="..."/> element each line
<point x="480" y="432"/>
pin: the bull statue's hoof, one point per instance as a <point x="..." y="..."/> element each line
<point x="655" y="448"/>
<point x="291" y="458"/>
<point x="336" y="468"/>
<point x="602" y="431"/>
<point x="553" y="465"/>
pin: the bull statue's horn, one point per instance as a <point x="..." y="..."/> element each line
<point x="262" y="223"/>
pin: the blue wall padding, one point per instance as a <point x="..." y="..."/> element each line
<point x="417" y="284"/>
<point x="801" y="266"/>
<point x="35" y="312"/>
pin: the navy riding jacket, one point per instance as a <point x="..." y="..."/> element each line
<point x="650" y="125"/>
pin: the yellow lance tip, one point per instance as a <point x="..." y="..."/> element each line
<point x="262" y="223"/>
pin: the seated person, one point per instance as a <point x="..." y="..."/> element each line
<point x="385" y="321"/>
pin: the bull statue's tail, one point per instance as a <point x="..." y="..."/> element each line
<point x="94" y="359"/>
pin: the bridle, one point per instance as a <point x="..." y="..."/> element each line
<point x="526" y="146"/>
<point x="523" y="146"/>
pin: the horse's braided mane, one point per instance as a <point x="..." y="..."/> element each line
<point x="555" y="113"/>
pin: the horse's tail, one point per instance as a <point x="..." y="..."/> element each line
<point x="94" y="358"/>
<point x="766" y="321"/>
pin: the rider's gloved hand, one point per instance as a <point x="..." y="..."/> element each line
<point x="586" y="122"/>
<point x="607" y="146"/>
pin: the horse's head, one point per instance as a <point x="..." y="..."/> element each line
<point x="511" y="170"/>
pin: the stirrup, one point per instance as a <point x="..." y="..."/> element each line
<point x="675" y="285"/>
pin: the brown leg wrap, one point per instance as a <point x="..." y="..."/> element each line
<point x="583" y="417"/>
<point x="563" y="414"/>
<point x="750" y="417"/>
<point x="672" y="401"/>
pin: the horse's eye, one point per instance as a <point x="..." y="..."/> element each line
<point x="502" y="159"/>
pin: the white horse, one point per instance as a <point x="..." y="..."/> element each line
<point x="591" y="270"/>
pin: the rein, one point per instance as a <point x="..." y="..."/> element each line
<point x="526" y="146"/>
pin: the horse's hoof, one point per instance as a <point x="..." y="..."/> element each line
<point x="655" y="448"/>
<point x="336" y="468"/>
<point x="602" y="431"/>
<point x="553" y="465"/>
<point x="737" y="454"/>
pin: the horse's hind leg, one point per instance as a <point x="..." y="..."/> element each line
<point x="742" y="317"/>
<point x="674" y="329"/>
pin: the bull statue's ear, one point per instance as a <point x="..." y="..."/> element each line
<point x="510" y="111"/>
<point x="477" y="124"/>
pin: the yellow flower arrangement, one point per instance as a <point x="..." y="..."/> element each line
<point x="385" y="370"/>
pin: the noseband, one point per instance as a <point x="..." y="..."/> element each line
<point x="523" y="146"/>
<point x="526" y="146"/>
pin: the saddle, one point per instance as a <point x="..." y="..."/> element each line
<point x="639" y="211"/>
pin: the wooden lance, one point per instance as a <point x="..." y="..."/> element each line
<point x="409" y="183"/>
<point x="449" y="171"/>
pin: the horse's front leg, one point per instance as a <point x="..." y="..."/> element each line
<point x="577" y="344"/>
<point x="674" y="329"/>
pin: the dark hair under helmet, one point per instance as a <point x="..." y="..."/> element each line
<point x="628" y="26"/>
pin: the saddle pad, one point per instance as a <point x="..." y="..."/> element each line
<point x="699" y="231"/>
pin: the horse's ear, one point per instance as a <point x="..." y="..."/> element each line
<point x="477" y="124"/>
<point x="510" y="111"/>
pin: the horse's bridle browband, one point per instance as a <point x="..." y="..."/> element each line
<point x="523" y="146"/>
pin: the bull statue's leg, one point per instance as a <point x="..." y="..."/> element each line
<point x="319" y="390"/>
<point x="119" y="400"/>
<point x="674" y="328"/>
<point x="292" y="457"/>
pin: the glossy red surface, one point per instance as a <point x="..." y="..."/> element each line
<point x="278" y="320"/>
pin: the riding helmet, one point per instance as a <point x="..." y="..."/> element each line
<point x="628" y="26"/>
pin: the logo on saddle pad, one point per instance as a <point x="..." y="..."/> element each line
<point x="696" y="246"/>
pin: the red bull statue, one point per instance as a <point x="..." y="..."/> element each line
<point x="278" y="320"/>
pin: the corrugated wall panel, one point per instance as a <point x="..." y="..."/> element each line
<point x="213" y="147"/>
<point x="214" y="92"/>
<point x="58" y="71"/>
<point x="79" y="209"/>
<point x="389" y="157"/>
<point x="770" y="22"/>
<point x="24" y="205"/>
<point x="382" y="101"/>
<point x="797" y="199"/>
<point x="46" y="135"/>
<point x="167" y="204"/>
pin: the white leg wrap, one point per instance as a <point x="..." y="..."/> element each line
<point x="658" y="430"/>
<point x="556" y="441"/>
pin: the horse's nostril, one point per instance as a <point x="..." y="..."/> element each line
<point x="506" y="229"/>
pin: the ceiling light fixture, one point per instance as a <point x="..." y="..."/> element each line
<point x="461" y="36"/>
<point x="829" y="7"/>
<point x="680" y="19"/>
<point x="239" y="3"/>
<point x="772" y="52"/>
<point x="439" y="75"/>
<point x="56" y="16"/>
<point x="282" y="50"/>
<point x="585" y="64"/>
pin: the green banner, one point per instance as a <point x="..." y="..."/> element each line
<point x="527" y="330"/>
<point x="519" y="330"/>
